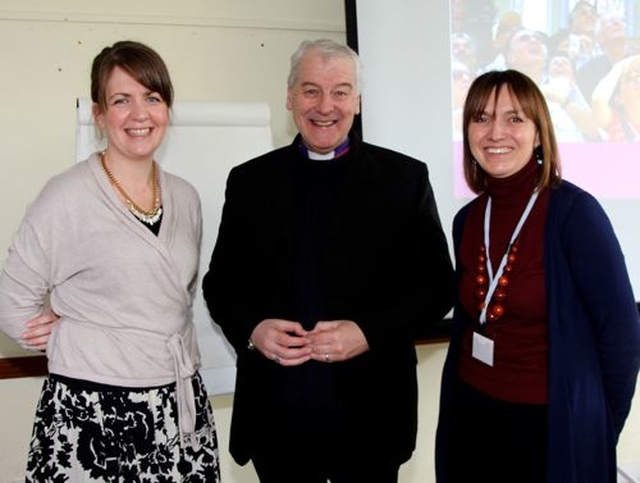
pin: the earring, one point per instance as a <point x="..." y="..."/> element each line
<point x="539" y="155"/>
<point x="474" y="162"/>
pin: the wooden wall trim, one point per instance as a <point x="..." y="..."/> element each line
<point x="30" y="366"/>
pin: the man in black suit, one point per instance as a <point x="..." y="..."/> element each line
<point x="330" y="259"/>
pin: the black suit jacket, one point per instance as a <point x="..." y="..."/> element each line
<point x="387" y="268"/>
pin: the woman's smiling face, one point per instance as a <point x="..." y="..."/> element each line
<point x="502" y="139"/>
<point x="135" y="120"/>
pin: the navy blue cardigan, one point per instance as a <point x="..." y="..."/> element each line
<point x="594" y="340"/>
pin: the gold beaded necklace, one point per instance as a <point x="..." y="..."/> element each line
<point x="150" y="217"/>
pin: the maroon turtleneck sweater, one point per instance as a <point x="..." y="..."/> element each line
<point x="519" y="372"/>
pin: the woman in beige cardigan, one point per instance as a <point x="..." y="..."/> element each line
<point x="112" y="245"/>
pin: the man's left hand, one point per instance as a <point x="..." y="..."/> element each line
<point x="336" y="340"/>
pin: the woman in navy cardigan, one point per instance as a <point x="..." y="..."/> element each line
<point x="545" y="348"/>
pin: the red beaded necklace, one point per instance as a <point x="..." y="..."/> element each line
<point x="491" y="287"/>
<point x="495" y="309"/>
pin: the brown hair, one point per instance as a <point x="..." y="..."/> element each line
<point x="136" y="59"/>
<point x="484" y="89"/>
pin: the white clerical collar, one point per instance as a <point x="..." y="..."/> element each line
<point x="336" y="153"/>
<point x="321" y="156"/>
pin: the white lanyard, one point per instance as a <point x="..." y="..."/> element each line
<point x="493" y="280"/>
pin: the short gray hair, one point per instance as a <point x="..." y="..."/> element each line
<point x="328" y="49"/>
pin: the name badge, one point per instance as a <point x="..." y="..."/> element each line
<point x="482" y="349"/>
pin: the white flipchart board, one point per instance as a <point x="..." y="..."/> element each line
<point x="205" y="140"/>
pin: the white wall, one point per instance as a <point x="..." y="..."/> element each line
<point x="223" y="50"/>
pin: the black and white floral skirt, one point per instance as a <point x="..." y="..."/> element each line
<point x="120" y="435"/>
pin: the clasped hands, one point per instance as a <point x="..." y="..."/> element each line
<point x="289" y="344"/>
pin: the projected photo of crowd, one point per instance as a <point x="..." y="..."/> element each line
<point x="583" y="54"/>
